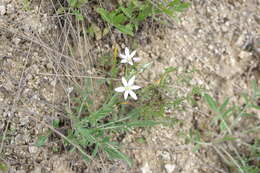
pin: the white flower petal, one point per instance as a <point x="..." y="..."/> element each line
<point x="123" y="61"/>
<point x="120" y="89"/>
<point x="126" y="51"/>
<point x="133" y="95"/>
<point x="130" y="62"/>
<point x="131" y="81"/>
<point x="135" y="87"/>
<point x="133" y="54"/>
<point x="126" y="94"/>
<point x="124" y="81"/>
<point x="137" y="59"/>
<point x="122" y="56"/>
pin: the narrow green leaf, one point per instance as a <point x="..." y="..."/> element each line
<point x="169" y="12"/>
<point x="145" y="66"/>
<point x="196" y="148"/>
<point x="119" y="19"/>
<point x="41" y="141"/>
<point x="105" y="15"/>
<point x="227" y="113"/>
<point x="222" y="115"/>
<point x="246" y="98"/>
<point x="225" y="139"/>
<point x="72" y="3"/>
<point x="95" y="151"/>
<point x="56" y="123"/>
<point x="84" y="132"/>
<point x="142" y="123"/>
<point x="76" y="3"/>
<point x="256" y="107"/>
<point x="179" y="6"/>
<point x="170" y="69"/>
<point x="126" y="29"/>
<point x="211" y="102"/>
<point x="127" y="11"/>
<point x="116" y="19"/>
<point x="224" y="105"/>
<point x="102" y="112"/>
<point x="247" y="114"/>
<point x="113" y="153"/>
<point x="223" y="125"/>
<point x="146" y="11"/>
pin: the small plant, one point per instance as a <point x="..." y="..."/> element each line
<point x="73" y="8"/>
<point x="44" y="138"/>
<point x="26" y="4"/>
<point x="76" y="3"/>
<point x="127" y="17"/>
<point x="224" y="130"/>
<point x="95" y="128"/>
<point x="95" y="131"/>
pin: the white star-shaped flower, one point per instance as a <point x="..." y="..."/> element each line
<point x="129" y="57"/>
<point x="128" y="88"/>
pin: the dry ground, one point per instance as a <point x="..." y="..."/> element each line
<point x="217" y="37"/>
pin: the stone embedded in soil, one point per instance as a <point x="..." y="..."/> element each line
<point x="61" y="165"/>
<point x="10" y="9"/>
<point x="33" y="149"/>
<point x="165" y="155"/>
<point x="16" y="40"/>
<point x="2" y="10"/>
<point x="169" y="168"/>
<point x="146" y="168"/>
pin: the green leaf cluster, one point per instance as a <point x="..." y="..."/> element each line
<point x="127" y="17"/>
<point x="76" y="3"/>
<point x="95" y="130"/>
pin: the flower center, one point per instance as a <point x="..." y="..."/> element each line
<point x="127" y="88"/>
<point x="129" y="59"/>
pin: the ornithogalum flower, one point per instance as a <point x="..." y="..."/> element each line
<point x="129" y="57"/>
<point x="128" y="88"/>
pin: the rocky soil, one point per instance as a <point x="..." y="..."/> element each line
<point x="220" y="38"/>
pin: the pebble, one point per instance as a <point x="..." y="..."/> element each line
<point x="169" y="168"/>
<point x="10" y="9"/>
<point x="2" y="10"/>
<point x="165" y="155"/>
<point x="146" y="168"/>
<point x="33" y="149"/>
<point x="16" y="40"/>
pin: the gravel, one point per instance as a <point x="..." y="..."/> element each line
<point x="220" y="38"/>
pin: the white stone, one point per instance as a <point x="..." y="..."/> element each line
<point x="2" y="10"/>
<point x="165" y="155"/>
<point x="146" y="168"/>
<point x="16" y="40"/>
<point x="33" y="149"/>
<point x="169" y="168"/>
<point x="10" y="9"/>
